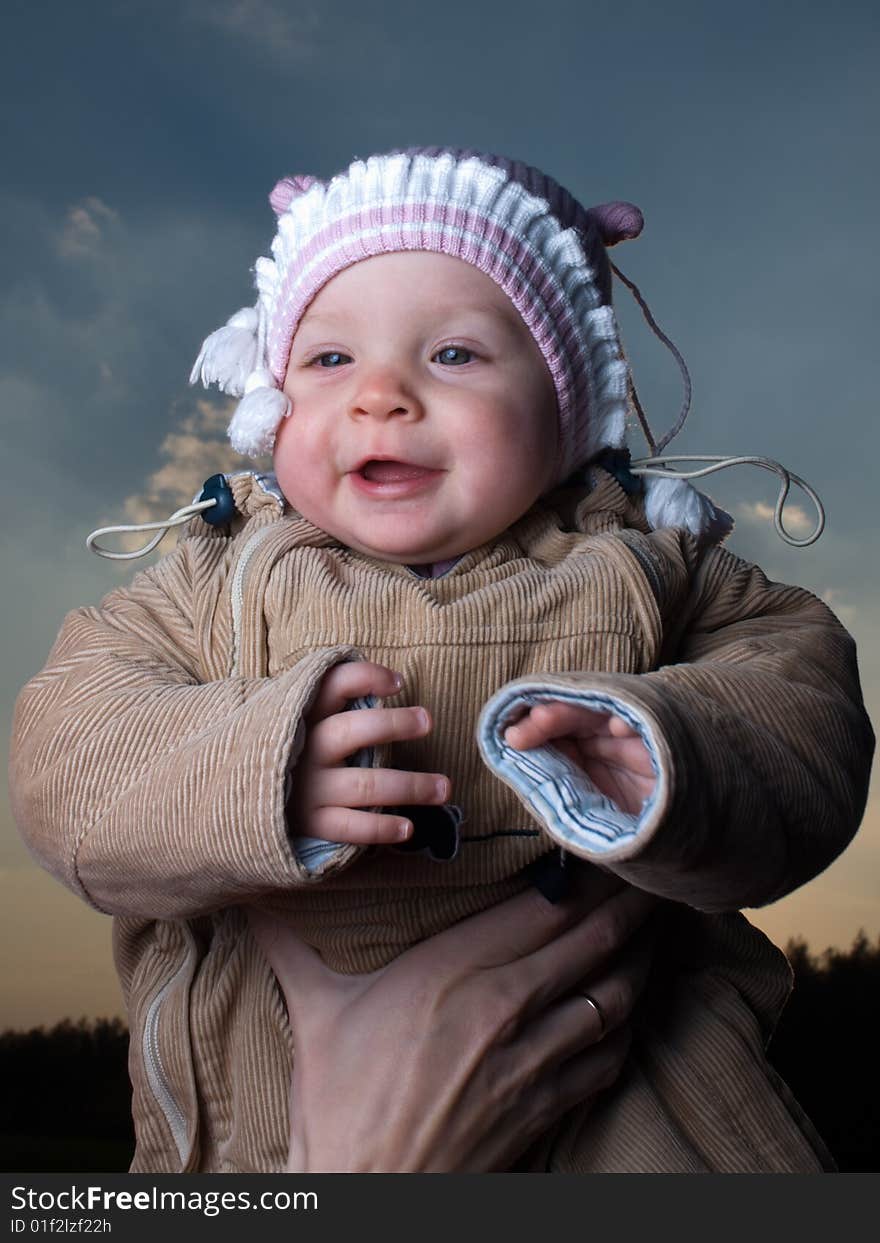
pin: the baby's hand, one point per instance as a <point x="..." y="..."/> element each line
<point x="325" y="791"/>
<point x="609" y="751"/>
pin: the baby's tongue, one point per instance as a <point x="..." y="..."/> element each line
<point x="389" y="472"/>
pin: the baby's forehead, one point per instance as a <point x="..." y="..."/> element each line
<point x="422" y="283"/>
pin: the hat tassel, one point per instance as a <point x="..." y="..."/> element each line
<point x="229" y="355"/>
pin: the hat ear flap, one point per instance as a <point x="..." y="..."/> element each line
<point x="288" y="189"/>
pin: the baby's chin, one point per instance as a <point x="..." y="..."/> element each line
<point x="397" y="548"/>
<point x="401" y="548"/>
<point x="395" y="542"/>
<point x="412" y="556"/>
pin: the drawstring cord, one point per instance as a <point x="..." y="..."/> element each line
<point x="657" y="466"/>
<point x="177" y="519"/>
<point x="216" y="496"/>
<point x="216" y="491"/>
<point x="655" y="446"/>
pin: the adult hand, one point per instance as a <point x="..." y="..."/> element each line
<point x="464" y="1049"/>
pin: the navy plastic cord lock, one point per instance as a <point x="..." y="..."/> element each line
<point x="550" y="876"/>
<point x="435" y="831"/>
<point x="616" y="462"/>
<point x="223" y="511"/>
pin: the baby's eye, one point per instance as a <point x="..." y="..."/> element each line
<point x="332" y="359"/>
<point x="454" y="355"/>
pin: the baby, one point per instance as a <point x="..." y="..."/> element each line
<point x="435" y="455"/>
<point x="571" y="668"/>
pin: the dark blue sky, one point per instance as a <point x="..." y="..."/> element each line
<point x="141" y="140"/>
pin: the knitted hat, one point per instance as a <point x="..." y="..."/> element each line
<point x="512" y="222"/>
<point x="538" y="243"/>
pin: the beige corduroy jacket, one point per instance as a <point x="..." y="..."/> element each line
<point x="150" y="758"/>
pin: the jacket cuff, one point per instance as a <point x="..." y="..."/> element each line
<point x="226" y="835"/>
<point x="577" y="815"/>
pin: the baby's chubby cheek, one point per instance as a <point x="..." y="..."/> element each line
<point x="307" y="478"/>
<point x="289" y="460"/>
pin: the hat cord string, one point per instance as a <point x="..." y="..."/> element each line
<point x="656" y="465"/>
<point x="656" y="446"/>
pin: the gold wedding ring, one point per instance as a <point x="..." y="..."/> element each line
<point x="599" y="1015"/>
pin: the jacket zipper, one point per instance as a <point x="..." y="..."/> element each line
<point x="237" y="590"/>
<point x="156" y="1073"/>
<point x="158" y="1079"/>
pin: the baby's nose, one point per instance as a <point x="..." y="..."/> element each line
<point x="385" y="394"/>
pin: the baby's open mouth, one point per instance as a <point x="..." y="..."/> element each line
<point x="391" y="472"/>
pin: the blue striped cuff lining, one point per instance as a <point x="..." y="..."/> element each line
<point x="573" y="811"/>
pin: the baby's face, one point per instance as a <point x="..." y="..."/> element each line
<point x="422" y="359"/>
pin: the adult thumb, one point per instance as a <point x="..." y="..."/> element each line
<point x="294" y="963"/>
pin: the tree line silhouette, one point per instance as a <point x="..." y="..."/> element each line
<point x="67" y="1098"/>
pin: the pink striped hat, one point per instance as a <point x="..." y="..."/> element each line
<point x="511" y="221"/>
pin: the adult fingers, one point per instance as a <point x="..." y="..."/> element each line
<point x="615" y="991"/>
<point x="539" y="1097"/>
<point x="566" y="1028"/>
<point x="579" y="1079"/>
<point x="596" y="1008"/>
<point x="351" y="679"/>
<point x="517" y="927"/>
<point x="336" y="737"/>
<point x="558" y="967"/>
<point x="383" y="787"/>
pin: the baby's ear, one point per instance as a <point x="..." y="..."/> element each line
<point x="288" y="189"/>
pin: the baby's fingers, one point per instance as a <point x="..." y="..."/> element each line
<point x="361" y="828"/>
<point x="620" y="728"/>
<point x="352" y="679"/>
<point x="544" y="722"/>
<point x="377" y="787"/>
<point x="332" y="740"/>
<point x="628" y="753"/>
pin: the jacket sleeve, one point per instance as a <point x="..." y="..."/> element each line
<point x="758" y="734"/>
<point x="145" y="787"/>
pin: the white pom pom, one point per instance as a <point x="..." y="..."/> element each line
<point x="229" y="355"/>
<point x="247" y="317"/>
<point x="255" y="422"/>
<point x="262" y="377"/>
<point x="676" y="503"/>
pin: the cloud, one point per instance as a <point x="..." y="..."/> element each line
<point x="85" y="226"/>
<point x="96" y="344"/>
<point x="194" y="451"/>
<point x="795" y="519"/>
<point x="846" y="612"/>
<point x="279" y="30"/>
